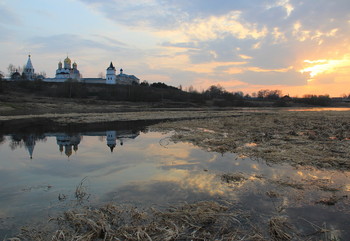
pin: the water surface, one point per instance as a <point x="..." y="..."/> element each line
<point x="39" y="174"/>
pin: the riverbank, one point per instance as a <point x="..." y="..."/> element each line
<point x="303" y="139"/>
<point x="277" y="135"/>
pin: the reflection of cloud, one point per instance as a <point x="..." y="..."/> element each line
<point x="175" y="154"/>
<point x="155" y="192"/>
<point x="200" y="182"/>
<point x="208" y="183"/>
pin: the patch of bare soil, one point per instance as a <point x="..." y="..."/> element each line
<point x="320" y="139"/>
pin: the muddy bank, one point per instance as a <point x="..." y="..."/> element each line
<point x="320" y="139"/>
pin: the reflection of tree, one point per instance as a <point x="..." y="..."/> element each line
<point x="17" y="140"/>
<point x="2" y="139"/>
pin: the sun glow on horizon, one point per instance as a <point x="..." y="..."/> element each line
<point x="325" y="66"/>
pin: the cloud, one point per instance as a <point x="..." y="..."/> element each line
<point x="141" y="13"/>
<point x="7" y="16"/>
<point x="58" y="43"/>
<point x="217" y="27"/>
<point x="290" y="77"/>
<point x="197" y="42"/>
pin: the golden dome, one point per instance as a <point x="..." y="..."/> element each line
<point x="67" y="60"/>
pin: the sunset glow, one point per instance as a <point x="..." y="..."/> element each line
<point x="299" y="47"/>
<point x="322" y="66"/>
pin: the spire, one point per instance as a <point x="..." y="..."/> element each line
<point x="111" y="147"/>
<point x="29" y="63"/>
<point x="30" y="143"/>
<point x="111" y="67"/>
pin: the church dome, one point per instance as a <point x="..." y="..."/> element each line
<point x="67" y="60"/>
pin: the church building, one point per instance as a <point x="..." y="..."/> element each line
<point x="28" y="70"/>
<point x="67" y="71"/>
<point x="122" y="79"/>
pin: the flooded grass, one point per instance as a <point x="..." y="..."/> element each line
<point x="280" y="228"/>
<point x="199" y="221"/>
<point x="233" y="177"/>
<point x="81" y="192"/>
<point x="319" y="139"/>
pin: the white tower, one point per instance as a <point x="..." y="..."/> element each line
<point x="111" y="139"/>
<point x="29" y="70"/>
<point x="110" y="75"/>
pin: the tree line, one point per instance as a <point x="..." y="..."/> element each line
<point x="215" y="95"/>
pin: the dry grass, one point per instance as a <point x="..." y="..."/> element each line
<point x="280" y="229"/>
<point x="233" y="177"/>
<point x="80" y="193"/>
<point x="320" y="139"/>
<point x="199" y="221"/>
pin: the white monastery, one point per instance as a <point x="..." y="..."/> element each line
<point x="67" y="71"/>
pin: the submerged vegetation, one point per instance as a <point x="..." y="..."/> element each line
<point x="319" y="139"/>
<point x="200" y="221"/>
<point x="204" y="220"/>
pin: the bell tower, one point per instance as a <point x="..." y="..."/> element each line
<point x="29" y="70"/>
<point x="110" y="75"/>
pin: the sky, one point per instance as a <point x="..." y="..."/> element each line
<point x="296" y="46"/>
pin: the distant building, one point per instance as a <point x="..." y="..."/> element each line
<point x="110" y="75"/>
<point x="16" y="75"/>
<point x="68" y="143"/>
<point x="67" y="71"/>
<point x="28" y="70"/>
<point x="121" y="78"/>
<point x="111" y="139"/>
<point x="125" y="79"/>
<point x="30" y="144"/>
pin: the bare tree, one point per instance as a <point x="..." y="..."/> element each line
<point x="43" y="73"/>
<point x="11" y="69"/>
<point x="269" y="94"/>
<point x="101" y="75"/>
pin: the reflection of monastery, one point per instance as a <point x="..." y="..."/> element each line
<point x="67" y="71"/>
<point x="69" y="143"/>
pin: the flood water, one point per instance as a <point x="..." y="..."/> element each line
<point x="40" y="171"/>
